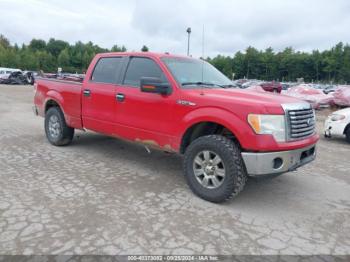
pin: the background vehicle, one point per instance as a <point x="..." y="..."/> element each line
<point x="273" y="86"/>
<point x="6" y="72"/>
<point x="309" y="94"/>
<point x="16" y="76"/>
<point x="183" y="105"/>
<point x="338" y="124"/>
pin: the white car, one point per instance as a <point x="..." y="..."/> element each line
<point x="338" y="124"/>
<point x="5" y="72"/>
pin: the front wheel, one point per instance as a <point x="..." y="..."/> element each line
<point x="214" y="168"/>
<point x="347" y="134"/>
<point x="56" y="129"/>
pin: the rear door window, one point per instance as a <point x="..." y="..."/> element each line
<point x="107" y="70"/>
<point x="142" y="67"/>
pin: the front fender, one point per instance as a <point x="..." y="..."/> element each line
<point x="220" y="116"/>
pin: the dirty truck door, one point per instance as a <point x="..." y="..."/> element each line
<point x="140" y="116"/>
<point x="98" y="97"/>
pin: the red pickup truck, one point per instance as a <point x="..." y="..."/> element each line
<point x="183" y="105"/>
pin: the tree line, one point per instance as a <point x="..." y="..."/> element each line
<point x="331" y="65"/>
<point x="48" y="56"/>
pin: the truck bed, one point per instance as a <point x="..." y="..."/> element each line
<point x="57" y="89"/>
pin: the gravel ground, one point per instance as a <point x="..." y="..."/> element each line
<point x="106" y="196"/>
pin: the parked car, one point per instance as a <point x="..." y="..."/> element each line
<point x="329" y="89"/>
<point x="251" y="82"/>
<point x="314" y="96"/>
<point x="180" y="104"/>
<point x="273" y="86"/>
<point x="6" y="72"/>
<point x="11" y="76"/>
<point x="341" y="96"/>
<point x="286" y="86"/>
<point x="338" y="124"/>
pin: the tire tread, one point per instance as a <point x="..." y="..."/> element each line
<point x="67" y="132"/>
<point x="236" y="182"/>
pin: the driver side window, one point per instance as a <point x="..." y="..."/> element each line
<point x="142" y="67"/>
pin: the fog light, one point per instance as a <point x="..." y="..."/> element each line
<point x="277" y="163"/>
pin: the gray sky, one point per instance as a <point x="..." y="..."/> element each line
<point x="230" y="26"/>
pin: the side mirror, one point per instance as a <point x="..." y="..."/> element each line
<point x="154" y="85"/>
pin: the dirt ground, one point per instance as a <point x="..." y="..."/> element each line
<point x="106" y="196"/>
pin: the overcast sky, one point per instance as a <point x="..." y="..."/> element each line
<point x="229" y="26"/>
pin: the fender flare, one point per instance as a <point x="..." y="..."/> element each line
<point x="55" y="96"/>
<point x="216" y="115"/>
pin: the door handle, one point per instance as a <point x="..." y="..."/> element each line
<point x="120" y="97"/>
<point x="87" y="92"/>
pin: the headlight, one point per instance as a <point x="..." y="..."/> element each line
<point x="336" y="117"/>
<point x="269" y="125"/>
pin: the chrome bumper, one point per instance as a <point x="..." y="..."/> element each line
<point x="277" y="162"/>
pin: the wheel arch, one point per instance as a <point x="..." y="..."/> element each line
<point x="208" y="126"/>
<point x="346" y="128"/>
<point x="53" y="99"/>
<point x="215" y="119"/>
<point x="51" y="103"/>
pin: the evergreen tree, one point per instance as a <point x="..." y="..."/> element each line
<point x="144" y="48"/>
<point x="331" y="65"/>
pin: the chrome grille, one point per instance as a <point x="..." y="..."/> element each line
<point x="301" y="123"/>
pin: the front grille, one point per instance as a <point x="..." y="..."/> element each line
<point x="301" y="123"/>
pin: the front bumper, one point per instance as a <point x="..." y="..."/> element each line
<point x="334" y="128"/>
<point x="277" y="162"/>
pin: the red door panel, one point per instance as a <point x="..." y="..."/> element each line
<point x="145" y="117"/>
<point x="98" y="107"/>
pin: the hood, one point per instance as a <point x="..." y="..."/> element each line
<point x="345" y="111"/>
<point x="248" y="98"/>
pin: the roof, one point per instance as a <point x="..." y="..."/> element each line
<point x="146" y="54"/>
<point x="9" y="69"/>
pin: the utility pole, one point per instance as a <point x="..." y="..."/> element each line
<point x="188" y="40"/>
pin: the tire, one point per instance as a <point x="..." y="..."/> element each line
<point x="56" y="129"/>
<point x="347" y="134"/>
<point x="235" y="175"/>
<point x="30" y="78"/>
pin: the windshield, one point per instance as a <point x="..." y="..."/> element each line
<point x="190" y="73"/>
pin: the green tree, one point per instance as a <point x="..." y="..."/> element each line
<point x="64" y="59"/>
<point x="54" y="47"/>
<point x="144" y="48"/>
<point x="224" y="64"/>
<point x="287" y="65"/>
<point x="37" y="45"/>
<point x="117" y="48"/>
<point x="4" y="42"/>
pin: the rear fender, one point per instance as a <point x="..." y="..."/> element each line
<point x="57" y="97"/>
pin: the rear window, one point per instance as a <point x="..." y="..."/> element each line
<point x="142" y="67"/>
<point x="107" y="70"/>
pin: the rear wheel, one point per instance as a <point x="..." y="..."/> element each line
<point x="56" y="129"/>
<point x="214" y="168"/>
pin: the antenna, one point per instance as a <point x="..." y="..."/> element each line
<point x="202" y="58"/>
<point x="203" y="54"/>
<point x="203" y="42"/>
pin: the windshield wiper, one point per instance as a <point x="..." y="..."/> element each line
<point x="200" y="84"/>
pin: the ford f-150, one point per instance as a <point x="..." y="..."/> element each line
<point x="183" y="105"/>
